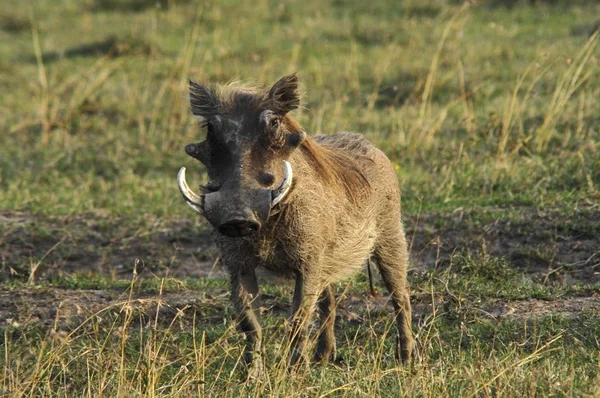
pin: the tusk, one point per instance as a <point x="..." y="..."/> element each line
<point x="193" y="200"/>
<point x="278" y="194"/>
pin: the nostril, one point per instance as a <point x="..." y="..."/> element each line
<point x="212" y="186"/>
<point x="239" y="227"/>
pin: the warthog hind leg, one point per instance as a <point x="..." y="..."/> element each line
<point x="392" y="260"/>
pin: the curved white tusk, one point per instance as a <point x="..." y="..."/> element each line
<point x="278" y="194"/>
<point x="193" y="200"/>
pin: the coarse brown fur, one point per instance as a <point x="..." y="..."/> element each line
<point x="342" y="210"/>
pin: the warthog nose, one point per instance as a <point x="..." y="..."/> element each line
<point x="238" y="227"/>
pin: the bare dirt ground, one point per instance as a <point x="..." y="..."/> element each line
<point x="64" y="309"/>
<point x="546" y="246"/>
<point x="539" y="243"/>
<point x="542" y="244"/>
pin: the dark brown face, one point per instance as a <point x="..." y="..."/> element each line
<point x="248" y="137"/>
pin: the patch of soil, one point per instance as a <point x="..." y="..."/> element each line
<point x="531" y="309"/>
<point x="63" y="309"/>
<point x="545" y="245"/>
<point x="67" y="309"/>
<point x="97" y="244"/>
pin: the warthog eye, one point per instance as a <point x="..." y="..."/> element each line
<point x="274" y="123"/>
<point x="209" y="125"/>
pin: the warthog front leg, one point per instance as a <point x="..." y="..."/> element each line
<point x="326" y="343"/>
<point x="306" y="294"/>
<point x="244" y="295"/>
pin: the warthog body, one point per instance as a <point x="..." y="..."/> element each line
<point x="341" y="209"/>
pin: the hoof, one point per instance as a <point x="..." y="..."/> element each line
<point x="255" y="372"/>
<point x="324" y="357"/>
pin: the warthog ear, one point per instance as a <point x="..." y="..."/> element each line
<point x="203" y="101"/>
<point x="284" y="95"/>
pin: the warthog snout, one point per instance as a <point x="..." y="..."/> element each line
<point x="233" y="210"/>
<point x="238" y="226"/>
<point x="237" y="213"/>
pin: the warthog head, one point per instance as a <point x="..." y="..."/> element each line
<point x="248" y="141"/>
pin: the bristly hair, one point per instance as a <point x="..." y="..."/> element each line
<point x="334" y="167"/>
<point x="218" y="99"/>
<point x="211" y="100"/>
<point x="337" y="169"/>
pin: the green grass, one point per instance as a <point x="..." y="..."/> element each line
<point x="468" y="116"/>
<point x="489" y="113"/>
<point x="121" y="350"/>
<point x="145" y="340"/>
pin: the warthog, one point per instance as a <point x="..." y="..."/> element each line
<point x="314" y="208"/>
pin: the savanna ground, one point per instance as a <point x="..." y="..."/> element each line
<point x="109" y="284"/>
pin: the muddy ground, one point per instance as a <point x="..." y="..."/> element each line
<point x="548" y="247"/>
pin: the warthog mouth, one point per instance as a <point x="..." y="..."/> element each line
<point x="195" y="201"/>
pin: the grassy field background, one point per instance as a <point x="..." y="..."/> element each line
<point x="489" y="111"/>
